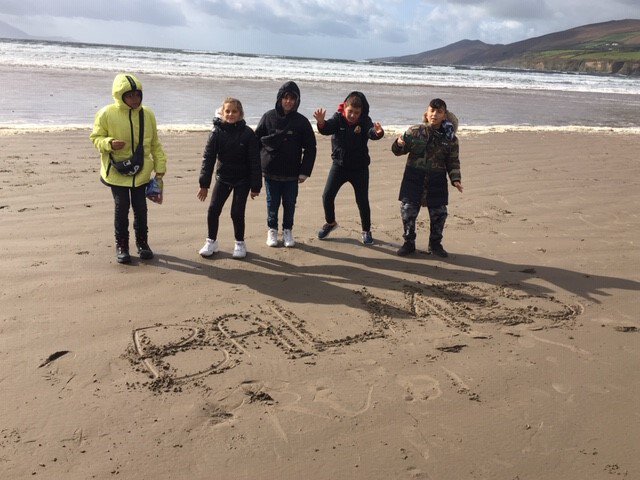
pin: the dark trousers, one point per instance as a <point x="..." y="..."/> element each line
<point x="359" y="180"/>
<point x="437" y="217"/>
<point x="285" y="192"/>
<point x="125" y="198"/>
<point x="219" y="196"/>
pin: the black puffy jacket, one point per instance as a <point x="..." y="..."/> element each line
<point x="287" y="142"/>
<point x="349" y="142"/>
<point x="235" y="147"/>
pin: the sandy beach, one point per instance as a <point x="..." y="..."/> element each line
<point x="515" y="358"/>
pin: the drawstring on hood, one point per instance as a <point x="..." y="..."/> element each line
<point x="122" y="84"/>
<point x="288" y="87"/>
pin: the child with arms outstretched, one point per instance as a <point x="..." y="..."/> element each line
<point x="350" y="129"/>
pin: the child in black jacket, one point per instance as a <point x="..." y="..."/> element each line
<point x="351" y="128"/>
<point x="235" y="147"/>
<point x="287" y="155"/>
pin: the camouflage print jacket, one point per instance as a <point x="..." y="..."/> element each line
<point x="431" y="150"/>
<point x="433" y="154"/>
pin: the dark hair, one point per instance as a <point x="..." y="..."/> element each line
<point x="290" y="93"/>
<point x="353" y="101"/>
<point x="437" y="104"/>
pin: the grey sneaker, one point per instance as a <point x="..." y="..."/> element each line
<point x="367" y="238"/>
<point x="326" y="229"/>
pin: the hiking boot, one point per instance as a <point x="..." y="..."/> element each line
<point x="144" y="251"/>
<point x="367" y="238"/>
<point x="287" y="236"/>
<point x="406" y="249"/>
<point x="240" y="250"/>
<point x="437" y="249"/>
<point x="210" y="247"/>
<point x="122" y="251"/>
<point x="326" y="229"/>
<point x="272" y="237"/>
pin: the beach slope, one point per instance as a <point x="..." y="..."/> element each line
<point x="515" y="358"/>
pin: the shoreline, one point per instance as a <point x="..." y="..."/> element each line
<point x="192" y="101"/>
<point x="18" y="129"/>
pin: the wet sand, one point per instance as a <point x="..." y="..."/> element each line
<point x="517" y="357"/>
<point x="72" y="97"/>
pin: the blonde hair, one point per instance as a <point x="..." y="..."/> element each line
<point x="236" y="102"/>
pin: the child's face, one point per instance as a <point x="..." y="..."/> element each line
<point x="435" y="116"/>
<point x="352" y="113"/>
<point x="230" y="113"/>
<point x="288" y="102"/>
<point x="133" y="99"/>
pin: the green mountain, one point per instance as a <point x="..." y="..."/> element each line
<point x="608" y="48"/>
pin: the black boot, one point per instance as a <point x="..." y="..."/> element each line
<point x="437" y="249"/>
<point x="122" y="250"/>
<point x="143" y="247"/>
<point x="407" y="248"/>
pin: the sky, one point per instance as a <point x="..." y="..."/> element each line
<point x="346" y="29"/>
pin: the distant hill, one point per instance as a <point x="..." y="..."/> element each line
<point x="8" y="31"/>
<point x="609" y="47"/>
<point x="13" y="33"/>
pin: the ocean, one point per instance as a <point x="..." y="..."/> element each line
<point x="63" y="84"/>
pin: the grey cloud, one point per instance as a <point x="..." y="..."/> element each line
<point x="510" y="9"/>
<point x="296" y="18"/>
<point x="161" y="12"/>
<point x="394" y="35"/>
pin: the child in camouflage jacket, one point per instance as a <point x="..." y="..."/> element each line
<point x="433" y="154"/>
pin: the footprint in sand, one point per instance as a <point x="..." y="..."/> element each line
<point x="418" y="390"/>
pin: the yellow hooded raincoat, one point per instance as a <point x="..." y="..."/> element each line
<point x="118" y="121"/>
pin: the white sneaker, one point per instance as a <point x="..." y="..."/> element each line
<point x="287" y="236"/>
<point x="272" y="237"/>
<point x="210" y="247"/>
<point x="240" y="250"/>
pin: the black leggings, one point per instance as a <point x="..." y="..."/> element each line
<point x="219" y="196"/>
<point x="359" y="180"/>
<point x="124" y="198"/>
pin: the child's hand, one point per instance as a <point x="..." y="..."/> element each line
<point x="202" y="194"/>
<point x="254" y="194"/>
<point x="378" y="129"/>
<point x="319" y="116"/>
<point x="458" y="185"/>
<point x="400" y="141"/>
<point x="302" y="178"/>
<point x="117" y="144"/>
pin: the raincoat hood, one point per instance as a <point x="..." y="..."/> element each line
<point x="123" y="83"/>
<point x="288" y="87"/>
<point x="365" y="104"/>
